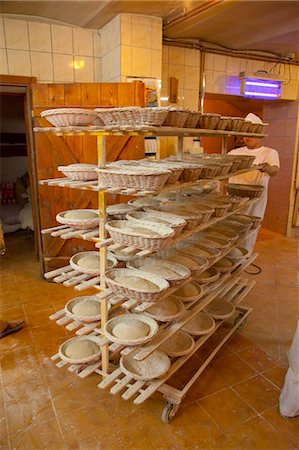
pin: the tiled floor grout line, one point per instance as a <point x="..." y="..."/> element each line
<point x="57" y="419"/>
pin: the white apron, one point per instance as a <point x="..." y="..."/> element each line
<point x="262" y="155"/>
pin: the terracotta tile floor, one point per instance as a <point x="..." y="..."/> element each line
<point x="233" y="405"/>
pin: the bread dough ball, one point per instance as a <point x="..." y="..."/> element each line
<point x="87" y="308"/>
<point x="89" y="261"/>
<point x="188" y="290"/>
<point x="138" y="283"/>
<point x="158" y="270"/>
<point x="131" y="329"/>
<point x="224" y="262"/>
<point x="235" y="253"/>
<point x="80" y="349"/>
<point x="80" y="215"/>
<point x="167" y="307"/>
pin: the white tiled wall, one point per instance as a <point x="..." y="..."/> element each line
<point x="49" y="52"/>
<point x="183" y="64"/>
<point x="141" y="46"/>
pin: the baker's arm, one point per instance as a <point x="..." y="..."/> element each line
<point x="270" y="170"/>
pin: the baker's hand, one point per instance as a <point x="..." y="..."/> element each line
<point x="270" y="170"/>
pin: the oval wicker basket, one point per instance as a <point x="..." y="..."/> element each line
<point x="176" y="118"/>
<point x="65" y="117"/>
<point x="118" y="116"/>
<point x="122" y="233"/>
<point x="154" y="366"/>
<point x="223" y="123"/>
<point x="112" y="262"/>
<point x="181" y="272"/>
<point x="119" y="210"/>
<point x="208" y="121"/>
<point x="175" y="222"/>
<point x="79" y="172"/>
<point x="214" y="274"/>
<point x="192" y="119"/>
<point x="225" y="269"/>
<point x="74" y="301"/>
<point x="138" y="294"/>
<point x="238" y="259"/>
<point x="194" y="264"/>
<point x="237" y="123"/>
<point x="200" y="324"/>
<point x="125" y="318"/>
<point x="245" y="190"/>
<point x="134" y="177"/>
<point x="162" y="310"/>
<point x="179" y="344"/>
<point x="79" y="223"/>
<point x="89" y="359"/>
<point x="151" y="116"/>
<point x="190" y="298"/>
<point x="219" y="309"/>
<point x="144" y="202"/>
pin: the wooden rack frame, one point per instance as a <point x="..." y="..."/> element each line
<point x="69" y="277"/>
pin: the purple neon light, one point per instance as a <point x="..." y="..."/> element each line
<point x="263" y="84"/>
<point x="262" y="94"/>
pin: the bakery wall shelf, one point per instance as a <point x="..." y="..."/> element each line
<point x="229" y="286"/>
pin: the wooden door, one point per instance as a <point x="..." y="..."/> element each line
<point x="53" y="151"/>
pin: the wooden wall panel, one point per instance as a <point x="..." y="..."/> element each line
<point x="52" y="151"/>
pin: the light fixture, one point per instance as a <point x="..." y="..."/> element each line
<point x="260" y="85"/>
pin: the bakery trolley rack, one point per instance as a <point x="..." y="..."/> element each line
<point x="143" y="390"/>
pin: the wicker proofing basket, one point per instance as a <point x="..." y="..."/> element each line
<point x="118" y="230"/>
<point x="87" y="319"/>
<point x="141" y="178"/>
<point x="245" y="190"/>
<point x="176" y="118"/>
<point x="223" y="123"/>
<point x="66" y="117"/>
<point x="152" y="324"/>
<point x="170" y="220"/>
<point x="118" y="116"/>
<point x="137" y="294"/>
<point x="80" y="224"/>
<point x="79" y="172"/>
<point x="192" y="119"/>
<point x="75" y="258"/>
<point x="87" y="360"/>
<point x="237" y="123"/>
<point x="151" y="116"/>
<point x="208" y="121"/>
<point x="181" y="272"/>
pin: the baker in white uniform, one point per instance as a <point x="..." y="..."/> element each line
<point x="269" y="159"/>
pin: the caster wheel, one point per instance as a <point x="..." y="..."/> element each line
<point x="169" y="412"/>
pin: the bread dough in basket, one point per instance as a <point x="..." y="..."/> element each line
<point x="224" y="262"/>
<point x="184" y="260"/>
<point x="136" y="283"/>
<point x="87" y="308"/>
<point x="80" y="215"/>
<point x="130" y="330"/>
<point x="81" y="349"/>
<point x="92" y="262"/>
<point x="158" y="270"/>
<point x="236" y="253"/>
<point x="141" y="231"/>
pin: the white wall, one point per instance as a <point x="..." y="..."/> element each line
<point x="49" y="52"/>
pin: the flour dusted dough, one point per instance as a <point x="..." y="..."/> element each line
<point x="81" y="349"/>
<point x="87" y="308"/>
<point x="90" y="262"/>
<point x="158" y="270"/>
<point x="131" y="329"/>
<point x="80" y="215"/>
<point x="193" y="250"/>
<point x="188" y="290"/>
<point x="136" y="283"/>
<point x="141" y="231"/>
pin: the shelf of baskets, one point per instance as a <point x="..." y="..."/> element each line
<point x="230" y="285"/>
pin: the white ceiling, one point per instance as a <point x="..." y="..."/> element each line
<point x="263" y="25"/>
